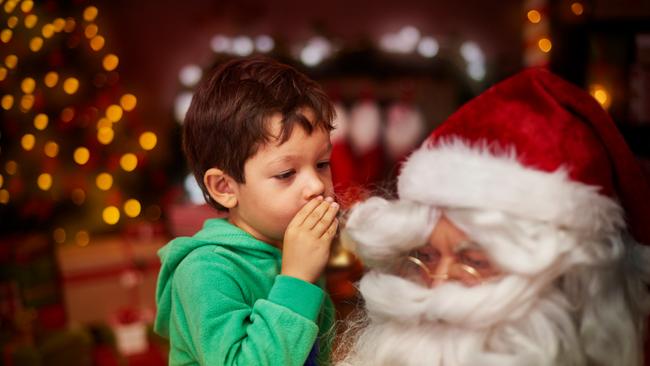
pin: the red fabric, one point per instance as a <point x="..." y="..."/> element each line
<point x="552" y="123"/>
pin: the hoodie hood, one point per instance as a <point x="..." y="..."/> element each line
<point x="215" y="232"/>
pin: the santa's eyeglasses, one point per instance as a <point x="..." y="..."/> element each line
<point x="468" y="264"/>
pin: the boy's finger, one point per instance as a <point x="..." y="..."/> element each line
<point x="306" y="210"/>
<point x="315" y="216"/>
<point x="323" y="224"/>
<point x="331" y="230"/>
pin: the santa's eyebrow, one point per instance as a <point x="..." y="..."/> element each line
<point x="466" y="244"/>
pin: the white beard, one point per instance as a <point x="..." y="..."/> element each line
<point x="504" y="323"/>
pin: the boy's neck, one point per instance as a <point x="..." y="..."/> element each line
<point x="234" y="219"/>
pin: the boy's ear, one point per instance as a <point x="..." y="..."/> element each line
<point x="221" y="186"/>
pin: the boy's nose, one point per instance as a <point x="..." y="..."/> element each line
<point x="314" y="186"/>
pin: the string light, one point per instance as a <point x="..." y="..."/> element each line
<point x="28" y="141"/>
<point x="51" y="149"/>
<point x="47" y="31"/>
<point x="35" y="44"/>
<point x="40" y="121"/>
<point x="67" y="114"/>
<point x="59" y="24"/>
<point x="97" y="43"/>
<point x="26" y="6"/>
<point x="51" y="78"/>
<point x="12" y="22"/>
<point x="82" y="238"/>
<point x="4" y="196"/>
<point x="132" y="208"/>
<point x="129" y="162"/>
<point x="534" y="16"/>
<point x="44" y="181"/>
<point x="71" y="85"/>
<point x="28" y="85"/>
<point x="7" y="102"/>
<point x="70" y="24"/>
<point x="3" y="73"/>
<point x="11" y="167"/>
<point x="545" y="45"/>
<point x="600" y="93"/>
<point x="26" y="102"/>
<point x="110" y="62"/>
<point x="81" y="155"/>
<point x="10" y="6"/>
<point x="114" y="113"/>
<point x="104" y="123"/>
<point x="128" y="102"/>
<point x="91" y="30"/>
<point x="5" y="35"/>
<point x="90" y="13"/>
<point x="111" y="215"/>
<point x="577" y="8"/>
<point x="30" y="21"/>
<point x="104" y="181"/>
<point x="11" y="61"/>
<point x="1" y="180"/>
<point x="148" y="140"/>
<point x="105" y="135"/>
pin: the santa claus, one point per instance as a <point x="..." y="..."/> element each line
<point x="515" y="239"/>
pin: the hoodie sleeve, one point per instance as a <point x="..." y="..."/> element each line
<point x="223" y="328"/>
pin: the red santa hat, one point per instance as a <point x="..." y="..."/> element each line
<point x="538" y="147"/>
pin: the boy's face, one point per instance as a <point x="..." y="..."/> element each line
<point x="280" y="179"/>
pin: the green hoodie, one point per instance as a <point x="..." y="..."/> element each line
<point x="222" y="301"/>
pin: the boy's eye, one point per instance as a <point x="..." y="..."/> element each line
<point x="285" y="175"/>
<point x="323" y="165"/>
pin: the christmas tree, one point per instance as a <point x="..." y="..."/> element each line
<point x="75" y="158"/>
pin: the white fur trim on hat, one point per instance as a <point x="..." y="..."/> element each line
<point x="453" y="174"/>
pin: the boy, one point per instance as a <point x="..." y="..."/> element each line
<point x="246" y="290"/>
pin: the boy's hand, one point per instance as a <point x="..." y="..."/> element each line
<point x="307" y="239"/>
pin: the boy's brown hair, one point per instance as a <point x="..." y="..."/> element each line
<point x="227" y="120"/>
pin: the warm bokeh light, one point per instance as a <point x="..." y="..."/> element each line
<point x="35" y="44"/>
<point x="59" y="24"/>
<point x="44" y="181"/>
<point x="4" y="196"/>
<point x="10" y="6"/>
<point x="132" y="208"/>
<point x="47" y="31"/>
<point x="534" y="16"/>
<point x="577" y="8"/>
<point x="104" y="181"/>
<point x="111" y="215"/>
<point x="148" y="140"/>
<point x="1" y="180"/>
<point x="90" y="13"/>
<point x="81" y="155"/>
<point x="114" y="113"/>
<point x="26" y="6"/>
<point x="3" y="73"/>
<point x="11" y="167"/>
<point x="70" y="24"/>
<point x="59" y="235"/>
<point x="12" y="22"/>
<point x="5" y="35"/>
<point x="78" y="196"/>
<point x="11" y="61"/>
<point x="104" y="122"/>
<point x="82" y="238"/>
<point x="91" y="30"/>
<point x="51" y="149"/>
<point x="67" y="114"/>
<point x="128" y="102"/>
<point x="30" y="21"/>
<point x="600" y="93"/>
<point x="105" y="135"/>
<point x="545" y="45"/>
<point x="97" y="43"/>
<point x="110" y="62"/>
<point x="71" y="85"/>
<point x="28" y="141"/>
<point x="51" y="78"/>
<point x="28" y="85"/>
<point x="40" y="121"/>
<point x="7" y="102"/>
<point x="129" y="162"/>
<point x="26" y="102"/>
